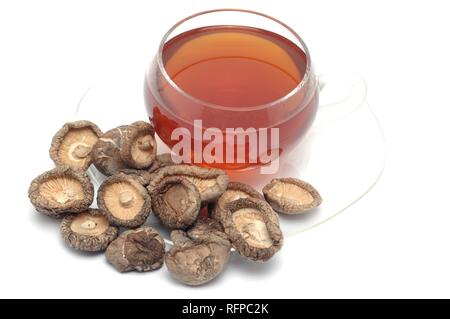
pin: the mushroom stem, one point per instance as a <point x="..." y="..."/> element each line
<point x="61" y="198"/>
<point x="81" y="151"/>
<point x="88" y="224"/>
<point x="126" y="198"/>
<point x="66" y="195"/>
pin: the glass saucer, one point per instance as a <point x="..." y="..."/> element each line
<point x="343" y="154"/>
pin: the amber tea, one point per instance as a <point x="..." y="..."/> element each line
<point x="231" y="77"/>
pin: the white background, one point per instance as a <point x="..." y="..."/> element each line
<point x="393" y="243"/>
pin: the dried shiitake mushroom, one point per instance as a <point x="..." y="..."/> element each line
<point x="291" y="195"/>
<point x="235" y="190"/>
<point x="106" y="152"/>
<point x="126" y="146"/>
<point x="198" y="255"/>
<point x="140" y="249"/>
<point x="88" y="231"/>
<point x="253" y="228"/>
<point x="73" y="143"/>
<point x="61" y="190"/>
<point x="125" y="201"/>
<point x="176" y="202"/>
<point x="211" y="183"/>
<point x="139" y="146"/>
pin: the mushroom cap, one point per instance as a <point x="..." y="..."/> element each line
<point x="88" y="231"/>
<point x="106" y="152"/>
<point x="291" y="195"/>
<point x="140" y="175"/>
<point x="199" y="255"/>
<point x="61" y="190"/>
<point x="207" y="229"/>
<point x="164" y="160"/>
<point x="125" y="201"/>
<point x="72" y="144"/>
<point x="139" y="146"/>
<point x="235" y="190"/>
<point x="211" y="183"/>
<point x="140" y="249"/>
<point x="144" y="125"/>
<point x="176" y="202"/>
<point x="253" y="228"/>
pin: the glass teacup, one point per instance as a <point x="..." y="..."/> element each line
<point x="233" y="89"/>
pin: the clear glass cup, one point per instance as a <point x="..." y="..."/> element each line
<point x="169" y="106"/>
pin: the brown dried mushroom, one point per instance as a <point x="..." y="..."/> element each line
<point x="61" y="190"/>
<point x="253" y="228"/>
<point x="126" y="146"/>
<point x="139" y="146"/>
<point x="291" y="195"/>
<point x="106" y="152"/>
<point x="211" y="183"/>
<point x="124" y="201"/>
<point x="235" y="190"/>
<point x="176" y="202"/>
<point x="88" y="231"/>
<point x="140" y="249"/>
<point x="140" y="175"/>
<point x="198" y="255"/>
<point x="73" y="143"/>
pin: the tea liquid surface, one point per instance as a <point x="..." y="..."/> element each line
<point x="234" y="66"/>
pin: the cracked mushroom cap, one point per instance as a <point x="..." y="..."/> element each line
<point x="61" y="190"/>
<point x="139" y="146"/>
<point x="125" y="202"/>
<point x="253" y="228"/>
<point x="235" y="190"/>
<point x="73" y="143"/>
<point x="88" y="231"/>
<point x="140" y="249"/>
<point x="291" y="195"/>
<point x="176" y="202"/>
<point x="106" y="152"/>
<point x="199" y="255"/>
<point x="211" y="183"/>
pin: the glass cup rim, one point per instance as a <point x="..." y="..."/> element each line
<point x="160" y="63"/>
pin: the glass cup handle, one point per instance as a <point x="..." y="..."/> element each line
<point x="341" y="93"/>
